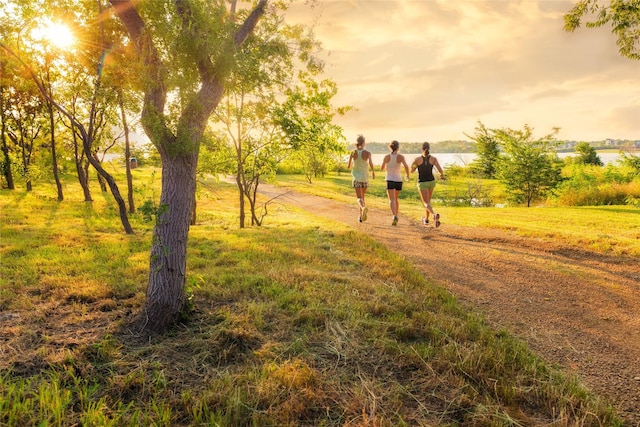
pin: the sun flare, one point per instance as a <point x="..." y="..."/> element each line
<point x="59" y="35"/>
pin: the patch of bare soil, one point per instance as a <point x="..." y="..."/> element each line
<point x="575" y="308"/>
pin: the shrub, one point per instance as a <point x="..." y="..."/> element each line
<point x="475" y="194"/>
<point x="455" y="170"/>
<point x="590" y="185"/>
<point x="616" y="193"/>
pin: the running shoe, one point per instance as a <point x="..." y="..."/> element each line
<point x="437" y="220"/>
<point x="395" y="221"/>
<point x="364" y="214"/>
<point x="425" y="221"/>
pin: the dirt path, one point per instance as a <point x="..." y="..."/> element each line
<point x="576" y="308"/>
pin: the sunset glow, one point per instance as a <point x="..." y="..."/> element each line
<point x="57" y="34"/>
<point x="429" y="70"/>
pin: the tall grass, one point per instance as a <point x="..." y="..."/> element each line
<point x="299" y="322"/>
<point x="587" y="185"/>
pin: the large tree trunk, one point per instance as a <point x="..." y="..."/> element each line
<point x="167" y="276"/>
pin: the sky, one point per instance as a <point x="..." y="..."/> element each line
<point x="431" y="70"/>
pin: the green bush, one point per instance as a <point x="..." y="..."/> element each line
<point x="590" y="185"/>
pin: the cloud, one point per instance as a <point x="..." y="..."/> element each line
<point x="438" y="66"/>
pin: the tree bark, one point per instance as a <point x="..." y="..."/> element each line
<point x="82" y="167"/>
<point x="168" y="264"/>
<point x="6" y="163"/>
<point x="52" y="126"/>
<point x="127" y="154"/>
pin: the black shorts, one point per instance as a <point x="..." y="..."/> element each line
<point x="394" y="185"/>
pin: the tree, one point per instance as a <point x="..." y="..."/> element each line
<point x="264" y="72"/>
<point x="632" y="162"/>
<point x="262" y="69"/>
<point x="587" y="155"/>
<point x="306" y="120"/>
<point x="530" y="167"/>
<point x="624" y="16"/>
<point x="47" y="81"/>
<point x="186" y="48"/>
<point x="488" y="151"/>
<point x="89" y="132"/>
<point x="6" y="78"/>
<point x="25" y="125"/>
<point x="257" y="146"/>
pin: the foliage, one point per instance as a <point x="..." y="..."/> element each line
<point x="475" y="193"/>
<point x="264" y="75"/>
<point x="306" y="119"/>
<point x="632" y="162"/>
<point x="587" y="155"/>
<point x="623" y="15"/>
<point x="216" y="155"/>
<point x="590" y="185"/>
<point x="488" y="149"/>
<point x="24" y="123"/>
<point x="88" y="117"/>
<point x="529" y="169"/>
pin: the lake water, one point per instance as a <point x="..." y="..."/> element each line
<point x="464" y="159"/>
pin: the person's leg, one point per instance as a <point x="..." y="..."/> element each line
<point x="363" y="205"/>
<point x="425" y="203"/>
<point x="360" y="196"/>
<point x="391" y="193"/>
<point x="436" y="217"/>
<point x="393" y="204"/>
<point x="426" y="194"/>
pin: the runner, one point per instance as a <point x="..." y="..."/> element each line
<point x="360" y="161"/>
<point x="427" y="182"/>
<point x="393" y="163"/>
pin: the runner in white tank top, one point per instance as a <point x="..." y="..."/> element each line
<point x="394" y="172"/>
<point x="393" y="164"/>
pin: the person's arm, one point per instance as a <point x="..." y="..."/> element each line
<point x="384" y="162"/>
<point x="437" y="165"/>
<point x="406" y="167"/>
<point x="350" y="161"/>
<point x="415" y="164"/>
<point x="373" y="170"/>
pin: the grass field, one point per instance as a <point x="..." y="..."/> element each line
<point x="299" y="322"/>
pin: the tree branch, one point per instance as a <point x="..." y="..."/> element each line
<point x="250" y="23"/>
<point x="153" y="120"/>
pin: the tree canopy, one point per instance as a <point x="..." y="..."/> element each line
<point x="623" y="15"/>
<point x="530" y="167"/>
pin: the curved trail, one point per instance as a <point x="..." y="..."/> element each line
<point x="575" y="308"/>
